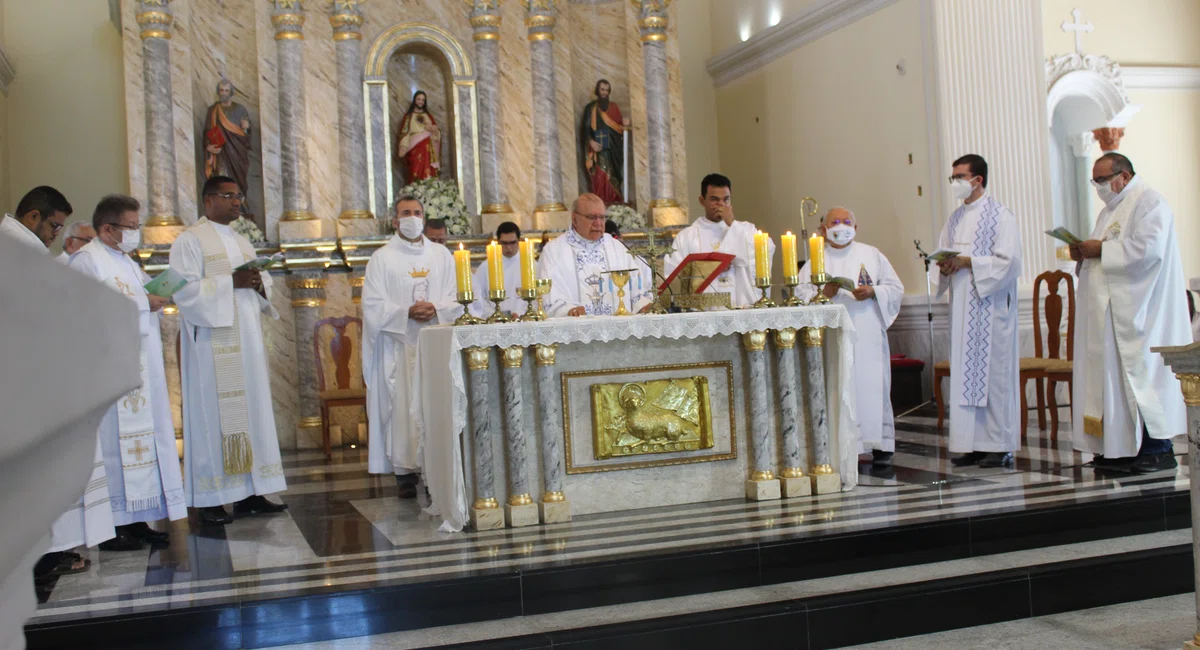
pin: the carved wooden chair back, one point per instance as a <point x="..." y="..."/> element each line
<point x="1053" y="309"/>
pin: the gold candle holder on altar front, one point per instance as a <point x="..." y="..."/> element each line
<point x="764" y="284"/>
<point x="530" y="296"/>
<point x="465" y="298"/>
<point x="543" y="288"/>
<point x="820" y="280"/>
<point x="498" y="316"/>
<point x="790" y="283"/>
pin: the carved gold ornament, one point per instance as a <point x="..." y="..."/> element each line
<point x="513" y="357"/>
<point x="1190" y="383"/>
<point x="755" y="341"/>
<point x="813" y="337"/>
<point x="545" y="354"/>
<point x="785" y="339"/>
<point x="477" y="358"/>
<point x="651" y="417"/>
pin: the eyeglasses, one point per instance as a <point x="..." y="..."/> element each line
<point x="1104" y="179"/>
<point x="55" y="227"/>
<point x="961" y="177"/>
<point x="231" y="196"/>
<point x="593" y="217"/>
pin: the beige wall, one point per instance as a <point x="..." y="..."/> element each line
<point x="65" y="116"/>
<point x="699" y="99"/>
<point x="733" y="21"/>
<point x="834" y="120"/>
<point x="1144" y="32"/>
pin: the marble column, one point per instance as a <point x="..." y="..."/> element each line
<point x="162" y="194"/>
<point x="485" y="512"/>
<point x="520" y="509"/>
<point x="762" y="484"/>
<point x="551" y="213"/>
<point x="485" y="21"/>
<point x="297" y="221"/>
<point x="308" y="297"/>
<point x="795" y="483"/>
<point x="652" y="22"/>
<point x="554" y="507"/>
<point x="356" y="217"/>
<point x="825" y="479"/>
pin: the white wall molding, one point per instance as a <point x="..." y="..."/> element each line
<point x="764" y="47"/>
<point x="1146" y="77"/>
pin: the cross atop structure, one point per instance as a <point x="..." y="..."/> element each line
<point x="1079" y="28"/>
<point x="138" y="449"/>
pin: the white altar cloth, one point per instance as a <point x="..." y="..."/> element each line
<point x="443" y="395"/>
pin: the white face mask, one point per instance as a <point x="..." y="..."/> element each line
<point x="1105" y="191"/>
<point x="130" y="240"/>
<point x="411" y="227"/>
<point x="962" y="189"/>
<point x="841" y="234"/>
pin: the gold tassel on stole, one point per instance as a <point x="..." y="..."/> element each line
<point x="1093" y="426"/>
<point x="239" y="454"/>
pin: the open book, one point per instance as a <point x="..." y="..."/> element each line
<point x="261" y="262"/>
<point x="1064" y="235"/>
<point x="166" y="284"/>
<point x="943" y="254"/>
<point x="845" y="283"/>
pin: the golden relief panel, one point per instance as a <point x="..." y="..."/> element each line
<point x="651" y="417"/>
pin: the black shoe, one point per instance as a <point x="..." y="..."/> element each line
<point x="144" y="532"/>
<point x="123" y="542"/>
<point x="407" y="491"/>
<point x="257" y="505"/>
<point x="881" y="458"/>
<point x="996" y="459"/>
<point x="1151" y="463"/>
<point x="967" y="460"/>
<point x="214" y="516"/>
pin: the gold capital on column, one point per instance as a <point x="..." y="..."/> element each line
<point x="755" y="341"/>
<point x="1190" y="383"/>
<point x="813" y="337"/>
<point x="513" y="357"/>
<point x="477" y="358"/>
<point x="545" y="354"/>
<point x="785" y="339"/>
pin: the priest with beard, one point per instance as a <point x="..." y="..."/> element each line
<point x="602" y="135"/>
<point x="409" y="285"/>
<point x="1132" y="298"/>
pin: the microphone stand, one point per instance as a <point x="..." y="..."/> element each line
<point x="929" y="319"/>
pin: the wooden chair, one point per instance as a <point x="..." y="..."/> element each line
<point x="334" y="346"/>
<point x="1053" y="367"/>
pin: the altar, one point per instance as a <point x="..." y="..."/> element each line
<point x="532" y="422"/>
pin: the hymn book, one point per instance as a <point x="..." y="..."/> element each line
<point x="261" y="262"/>
<point x="166" y="284"/>
<point x="1064" y="235"/>
<point x="943" y="254"/>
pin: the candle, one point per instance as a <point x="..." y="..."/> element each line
<point x="816" y="254"/>
<point x="762" y="258"/>
<point x="462" y="268"/>
<point x="528" y="281"/>
<point x="788" y="241"/>
<point x="495" y="262"/>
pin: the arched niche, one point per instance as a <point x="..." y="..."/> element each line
<point x="1084" y="93"/>
<point x="428" y="40"/>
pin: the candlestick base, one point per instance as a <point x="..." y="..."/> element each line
<point x="531" y="297"/>
<point x="820" y="280"/>
<point x="764" y="284"/>
<point x="465" y="298"/>
<point x="498" y="316"/>
<point x="789" y="291"/>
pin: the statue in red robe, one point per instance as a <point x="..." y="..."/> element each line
<point x="602" y="145"/>
<point x="419" y="140"/>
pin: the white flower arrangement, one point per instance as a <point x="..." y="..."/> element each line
<point x="441" y="200"/>
<point x="625" y="217"/>
<point x="247" y="229"/>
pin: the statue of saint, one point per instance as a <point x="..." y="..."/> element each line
<point x="603" y="146"/>
<point x="419" y="141"/>
<point x="226" y="139"/>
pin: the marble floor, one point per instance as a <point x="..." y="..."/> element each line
<point x="346" y="530"/>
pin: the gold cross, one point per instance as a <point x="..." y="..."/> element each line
<point x="138" y="449"/>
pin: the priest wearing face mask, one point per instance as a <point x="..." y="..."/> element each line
<point x="984" y="397"/>
<point x="873" y="305"/>
<point x="1128" y="403"/>
<point x="409" y="285"/>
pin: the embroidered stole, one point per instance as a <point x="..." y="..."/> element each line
<point x="135" y="411"/>
<point x="236" y="448"/>
<point x="976" y="361"/>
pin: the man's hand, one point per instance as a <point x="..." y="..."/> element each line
<point x="595" y="146"/>
<point x="157" y="302"/>
<point x="945" y="267"/>
<point x="577" y="311"/>
<point x="247" y="279"/>
<point x="960" y="262"/>
<point x="245" y="125"/>
<point x="422" y="311"/>
<point x="1086" y="250"/>
<point x="830" y="289"/>
<point x="865" y="292"/>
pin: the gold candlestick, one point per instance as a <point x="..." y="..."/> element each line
<point x="465" y="298"/>
<point x="820" y="280"/>
<point x="765" y="285"/>
<point x="498" y="316"/>
<point x="531" y="314"/>
<point x="790" y="282"/>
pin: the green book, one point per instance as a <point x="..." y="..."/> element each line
<point x="942" y="254"/>
<point x="1064" y="235"/>
<point x="261" y="262"/>
<point x="166" y="284"/>
<point x="846" y="283"/>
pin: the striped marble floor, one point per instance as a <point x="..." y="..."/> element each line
<point x="346" y="530"/>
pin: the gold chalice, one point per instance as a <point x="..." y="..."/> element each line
<point x="619" y="280"/>
<point x="543" y="288"/>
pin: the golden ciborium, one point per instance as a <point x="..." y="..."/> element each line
<point x="619" y="280"/>
<point x="543" y="288"/>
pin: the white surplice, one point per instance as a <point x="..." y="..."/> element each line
<point x="129" y="279"/>
<point x="866" y="265"/>
<point x="482" y="307"/>
<point x="1130" y="300"/>
<point x="17" y="230"/>
<point x="398" y="275"/>
<point x="204" y="304"/>
<point x="736" y="239"/>
<point x="984" y="397"/>
<point x="578" y="272"/>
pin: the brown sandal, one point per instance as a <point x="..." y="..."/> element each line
<point x="68" y="565"/>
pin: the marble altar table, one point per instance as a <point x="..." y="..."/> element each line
<point x="597" y="414"/>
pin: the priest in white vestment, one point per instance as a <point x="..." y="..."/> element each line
<point x="231" y="448"/>
<point x="1132" y="298"/>
<point x="77" y="235"/>
<point x="718" y="232"/>
<point x="137" y="435"/>
<point x="578" y="261"/>
<point x="983" y="400"/>
<point x="409" y="285"/>
<point x="873" y="306"/>
<point x="508" y="234"/>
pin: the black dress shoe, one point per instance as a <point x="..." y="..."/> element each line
<point x="407" y="491"/>
<point x="256" y="505"/>
<point x="967" y="459"/>
<point x="1151" y="463"/>
<point x="996" y="459"/>
<point x="214" y="516"/>
<point x="123" y="542"/>
<point x="881" y="458"/>
<point x="144" y="532"/>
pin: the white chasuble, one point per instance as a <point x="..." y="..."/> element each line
<point x="231" y="448"/>
<point x="137" y="435"/>
<point x="482" y="307"/>
<point x="400" y="274"/>
<point x="983" y="398"/>
<point x="578" y="271"/>
<point x="867" y="266"/>
<point x="737" y="239"/>
<point x="1131" y="299"/>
